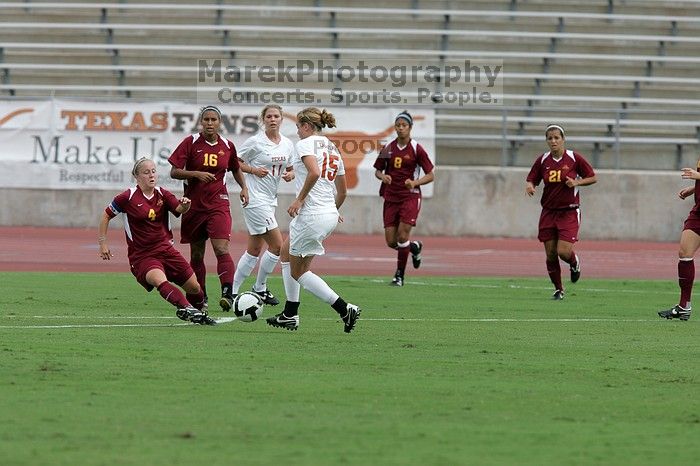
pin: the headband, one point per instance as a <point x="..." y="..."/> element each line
<point x="406" y="117"/>
<point x="212" y="108"/>
<point x="554" y="127"/>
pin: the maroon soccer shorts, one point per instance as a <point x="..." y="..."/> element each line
<point x="198" y="226"/>
<point x="692" y="223"/>
<point x="403" y="211"/>
<point x="559" y="224"/>
<point x="171" y="262"/>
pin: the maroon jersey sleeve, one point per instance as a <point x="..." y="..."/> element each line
<point x="118" y="204"/>
<point x="178" y="158"/>
<point x="583" y="168"/>
<point x="423" y="159"/>
<point x="171" y="201"/>
<point x="535" y="175"/>
<point x="233" y="163"/>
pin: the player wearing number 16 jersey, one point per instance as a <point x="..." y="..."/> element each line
<point x="202" y="161"/>
<point x="320" y="191"/>
<point x="562" y="172"/>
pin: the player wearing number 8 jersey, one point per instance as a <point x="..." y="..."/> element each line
<point x="320" y="191"/>
<point x="265" y="160"/>
<point x="202" y="160"/>
<point x="398" y="167"/>
<point x="562" y="172"/>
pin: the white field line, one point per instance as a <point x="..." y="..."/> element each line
<point x="179" y="323"/>
<point x="385" y="319"/>
<point x="513" y="287"/>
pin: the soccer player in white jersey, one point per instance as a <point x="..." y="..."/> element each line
<point x="265" y="160"/>
<point x="320" y="190"/>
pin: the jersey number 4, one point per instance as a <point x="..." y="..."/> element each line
<point x="329" y="167"/>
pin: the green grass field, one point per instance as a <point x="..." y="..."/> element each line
<point x="443" y="371"/>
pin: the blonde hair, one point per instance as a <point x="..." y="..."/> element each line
<point x="268" y="107"/>
<point x="137" y="165"/>
<point x="317" y="117"/>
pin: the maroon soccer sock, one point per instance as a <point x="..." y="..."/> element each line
<point x="402" y="258"/>
<point x="686" y="276"/>
<point x="225" y="268"/>
<point x="197" y="300"/>
<point x="554" y="271"/>
<point x="200" y="271"/>
<point x="572" y="260"/>
<point x="173" y="295"/>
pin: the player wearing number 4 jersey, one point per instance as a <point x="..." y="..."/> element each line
<point x="398" y="167"/>
<point x="320" y="191"/>
<point x="202" y="160"/>
<point x="265" y="160"/>
<point x="562" y="172"/>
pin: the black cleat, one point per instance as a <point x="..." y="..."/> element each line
<point x="282" y="321"/>
<point x="575" y="271"/>
<point x="397" y="281"/>
<point x="416" y="248"/>
<point x="226" y="302"/>
<point x="194" y="315"/>
<point x="676" y="312"/>
<point x="267" y="297"/>
<point x="558" y="295"/>
<point x="351" y="317"/>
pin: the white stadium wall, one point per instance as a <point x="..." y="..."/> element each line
<point x="484" y="201"/>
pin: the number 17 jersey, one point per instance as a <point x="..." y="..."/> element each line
<point x="321" y="198"/>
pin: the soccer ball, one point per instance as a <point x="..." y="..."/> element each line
<point x="247" y="307"/>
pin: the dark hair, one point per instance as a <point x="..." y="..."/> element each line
<point x="406" y="116"/>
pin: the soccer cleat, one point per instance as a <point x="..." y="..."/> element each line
<point x="397" y="280"/>
<point x="267" y="297"/>
<point x="194" y="315"/>
<point x="416" y="248"/>
<point x="558" y="295"/>
<point x="576" y="271"/>
<point x="676" y="312"/>
<point x="282" y="321"/>
<point x="351" y="317"/>
<point x="226" y="302"/>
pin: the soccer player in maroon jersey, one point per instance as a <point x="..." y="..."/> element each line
<point x="562" y="172"/>
<point x="153" y="259"/>
<point x="689" y="245"/>
<point x="398" y="166"/>
<point x="202" y="160"/>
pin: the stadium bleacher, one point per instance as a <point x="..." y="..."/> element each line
<point x="622" y="76"/>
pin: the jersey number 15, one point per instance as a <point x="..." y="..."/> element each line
<point x="330" y="166"/>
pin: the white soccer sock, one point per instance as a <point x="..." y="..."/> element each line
<point x="317" y="287"/>
<point x="291" y="286"/>
<point x="267" y="265"/>
<point x="245" y="266"/>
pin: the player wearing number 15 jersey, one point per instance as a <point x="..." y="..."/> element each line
<point x="399" y="168"/>
<point x="202" y="160"/>
<point x="562" y="172"/>
<point x="320" y="191"/>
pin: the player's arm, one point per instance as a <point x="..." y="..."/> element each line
<point x="183" y="205"/>
<point x="341" y="188"/>
<point x="383" y="177"/>
<point x="570" y="182"/>
<point x="102" y="228"/>
<point x="260" y="172"/>
<point x="530" y="188"/>
<point x="314" y="173"/>
<point x="425" y="179"/>
<point x="240" y="179"/>
<point x="182" y="174"/>
<point x="685" y="192"/>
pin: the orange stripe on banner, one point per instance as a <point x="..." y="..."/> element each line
<point x="11" y="115"/>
